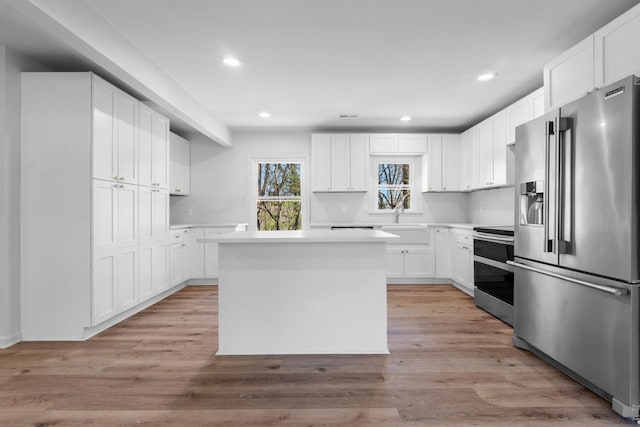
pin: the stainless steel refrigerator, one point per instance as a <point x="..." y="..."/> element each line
<point x="577" y="231"/>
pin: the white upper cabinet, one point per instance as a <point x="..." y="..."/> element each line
<point x="570" y="75"/>
<point x="464" y="164"/>
<point x="616" y="48"/>
<point x="412" y="143"/>
<point x="492" y="151"/>
<point x="450" y="162"/>
<point x="105" y="129"/>
<point x="432" y="165"/>
<point x="115" y="145"/>
<point x="381" y="143"/>
<point x="392" y="143"/>
<point x="440" y="166"/>
<point x="127" y="138"/>
<point x="339" y="162"/>
<point x="179" y="170"/>
<point x="522" y="111"/>
<point x="153" y="140"/>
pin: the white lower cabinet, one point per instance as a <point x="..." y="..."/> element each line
<point x="203" y="247"/>
<point x="103" y="290"/>
<point x="410" y="261"/>
<point x="127" y="283"/>
<point x="462" y="258"/>
<point x="443" y="258"/>
<point x="154" y="270"/>
<point x="178" y="257"/>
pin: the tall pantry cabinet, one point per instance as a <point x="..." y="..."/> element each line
<point x="94" y="205"/>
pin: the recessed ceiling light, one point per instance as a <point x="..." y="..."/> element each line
<point x="486" y="76"/>
<point x="264" y="115"/>
<point x="231" y="62"/>
<point x="405" y="118"/>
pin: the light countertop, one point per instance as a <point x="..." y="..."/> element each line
<point x="307" y="236"/>
<point x="227" y="225"/>
<point x="389" y="226"/>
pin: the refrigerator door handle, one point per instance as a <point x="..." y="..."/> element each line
<point x="548" y="132"/>
<point x="607" y="289"/>
<point x="565" y="180"/>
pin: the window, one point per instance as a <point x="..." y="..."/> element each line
<point x="279" y="199"/>
<point x="394" y="184"/>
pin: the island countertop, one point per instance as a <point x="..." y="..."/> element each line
<point x="307" y="236"/>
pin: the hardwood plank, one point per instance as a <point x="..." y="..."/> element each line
<point x="451" y="364"/>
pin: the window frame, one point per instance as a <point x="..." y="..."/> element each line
<point x="414" y="187"/>
<point x="252" y="186"/>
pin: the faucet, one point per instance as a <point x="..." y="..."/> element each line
<point x="399" y="207"/>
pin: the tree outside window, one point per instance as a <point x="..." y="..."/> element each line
<point x="394" y="186"/>
<point x="279" y="200"/>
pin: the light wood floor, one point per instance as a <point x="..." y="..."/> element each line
<point x="451" y="364"/>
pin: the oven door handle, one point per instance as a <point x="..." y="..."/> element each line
<point x="492" y="238"/>
<point x="607" y="289"/>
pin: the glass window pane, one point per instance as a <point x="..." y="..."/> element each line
<point x="279" y="215"/>
<point x="389" y="197"/>
<point x="278" y="179"/>
<point x="393" y="174"/>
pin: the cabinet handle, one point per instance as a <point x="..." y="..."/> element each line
<point x="183" y="245"/>
<point x="177" y="190"/>
<point x="115" y="185"/>
<point x="120" y="185"/>
<point x="115" y="177"/>
<point x="444" y="188"/>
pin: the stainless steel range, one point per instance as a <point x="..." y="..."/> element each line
<point x="493" y="277"/>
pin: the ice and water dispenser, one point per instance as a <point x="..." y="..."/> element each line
<point x="532" y="203"/>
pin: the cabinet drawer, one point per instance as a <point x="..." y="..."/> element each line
<point x="465" y="239"/>
<point x="178" y="236"/>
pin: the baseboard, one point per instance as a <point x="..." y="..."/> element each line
<point x="9" y="340"/>
<point x="93" y="331"/>
<point x="199" y="282"/>
<point x="425" y="281"/>
<point x="464" y="288"/>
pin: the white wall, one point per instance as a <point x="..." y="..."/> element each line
<point x="220" y="190"/>
<point x="492" y="207"/>
<point x="11" y="65"/>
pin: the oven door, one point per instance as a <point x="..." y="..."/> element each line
<point x="493" y="277"/>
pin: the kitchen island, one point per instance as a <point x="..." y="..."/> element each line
<point x="303" y="292"/>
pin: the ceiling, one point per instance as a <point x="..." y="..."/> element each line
<point x="307" y="62"/>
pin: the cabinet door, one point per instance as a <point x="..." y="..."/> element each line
<point x="179" y="166"/>
<point x="160" y="268"/>
<point x="383" y="143"/>
<point x="537" y="99"/>
<point x="463" y="167"/>
<point x="321" y="162"/>
<point x="359" y="160"/>
<point x="127" y="138"/>
<point x="176" y="263"/>
<point x="473" y="158"/>
<point x="145" y="215"/>
<point x="499" y="162"/>
<point x="463" y="264"/>
<point x="145" y="266"/>
<point x="105" y="147"/>
<point x="196" y="253"/>
<point x="616" y="50"/>
<point x="569" y="76"/>
<point x="127" y="283"/>
<point x="160" y="151"/>
<point x="103" y="286"/>
<point x="340" y="170"/>
<point x="127" y="215"/>
<point x="434" y="154"/>
<point x="485" y="153"/>
<point x="395" y="261"/>
<point x="419" y="262"/>
<point x="211" y="269"/>
<point x="104" y="211"/>
<point x="160" y="215"/>
<point x="442" y="245"/>
<point x="412" y="144"/>
<point x="450" y="162"/>
<point x="518" y="113"/>
<point x="145" y="145"/>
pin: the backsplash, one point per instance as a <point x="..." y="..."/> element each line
<point x="495" y="207"/>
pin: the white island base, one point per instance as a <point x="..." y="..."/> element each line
<point x="306" y="292"/>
